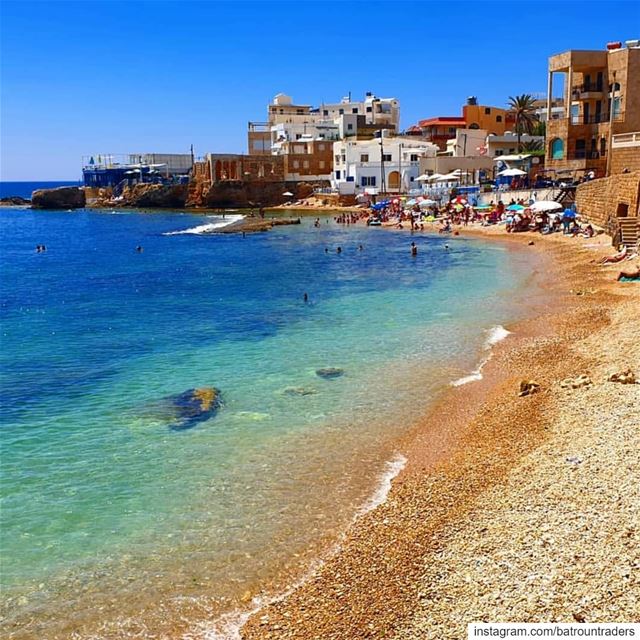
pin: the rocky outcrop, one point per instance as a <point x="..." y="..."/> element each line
<point x="329" y="372"/>
<point x="60" y="198"/>
<point x="242" y="195"/>
<point x="14" y="201"/>
<point x="155" y="196"/>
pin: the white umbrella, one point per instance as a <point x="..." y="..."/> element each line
<point x="449" y="177"/>
<point x="545" y="205"/>
<point x="512" y="172"/>
<point x="287" y="193"/>
<point x="426" y="203"/>
<point x="423" y="178"/>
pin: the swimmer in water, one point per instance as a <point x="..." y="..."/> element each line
<point x="414" y="249"/>
<point x="339" y="250"/>
<point x="139" y="249"/>
<point x="360" y="248"/>
<point x="446" y="247"/>
<point x="306" y="297"/>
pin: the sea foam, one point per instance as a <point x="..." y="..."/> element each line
<point x="206" y="228"/>
<point x="494" y="335"/>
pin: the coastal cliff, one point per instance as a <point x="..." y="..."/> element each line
<point x="155" y="196"/>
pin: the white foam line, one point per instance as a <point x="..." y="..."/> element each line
<point x="494" y="335"/>
<point x="206" y="228"/>
<point x="229" y="625"/>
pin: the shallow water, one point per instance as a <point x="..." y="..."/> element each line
<point x="106" y="510"/>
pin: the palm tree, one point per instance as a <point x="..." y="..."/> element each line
<point x="532" y="145"/>
<point x="524" y="110"/>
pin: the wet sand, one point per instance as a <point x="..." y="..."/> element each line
<point x="510" y="508"/>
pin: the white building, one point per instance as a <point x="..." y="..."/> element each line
<point x="376" y="110"/>
<point x="389" y="164"/>
<point x="508" y="143"/>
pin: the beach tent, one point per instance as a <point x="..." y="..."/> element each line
<point x="507" y="173"/>
<point x="545" y="205"/>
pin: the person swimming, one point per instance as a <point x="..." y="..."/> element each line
<point x="339" y="250"/>
<point x="305" y="297"/>
<point x="139" y="249"/>
<point x="414" y="249"/>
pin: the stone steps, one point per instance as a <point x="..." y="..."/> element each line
<point x="629" y="231"/>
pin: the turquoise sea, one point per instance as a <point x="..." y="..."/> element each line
<point x="115" y="524"/>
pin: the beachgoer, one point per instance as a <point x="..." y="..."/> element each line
<point x="360" y="248"/>
<point x="618" y="257"/>
<point x="306" y="297"/>
<point x="414" y="249"/>
<point x="631" y="275"/>
<point x="446" y="247"/>
<point x="326" y="249"/>
<point x="139" y="249"/>
<point x="339" y="250"/>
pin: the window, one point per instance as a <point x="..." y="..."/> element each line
<point x="337" y="175"/>
<point x="499" y="152"/>
<point x="349" y="127"/>
<point x="414" y="157"/>
<point x="498" y="118"/>
<point x="344" y="158"/>
<point x="300" y="112"/>
<point x="337" y="159"/>
<point x="320" y="147"/>
<point x="368" y="181"/>
<point x="603" y="147"/>
<point x="341" y="112"/>
<point x="557" y="149"/>
<point x="320" y="164"/>
<point x="386" y="157"/>
<point x="452" y="129"/>
<point x="354" y="110"/>
<point x="487" y="111"/>
<point x="298" y="136"/>
<point x="296" y="164"/>
<point x="473" y="125"/>
<point x="305" y="164"/>
<point x="364" y="157"/>
<point x="368" y="109"/>
<point x="325" y="112"/>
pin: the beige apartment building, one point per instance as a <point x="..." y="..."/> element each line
<point x="602" y="109"/>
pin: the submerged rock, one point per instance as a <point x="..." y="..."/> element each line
<point x="329" y="372"/>
<point x="298" y="391"/>
<point x="194" y="406"/>
<point x="528" y="387"/>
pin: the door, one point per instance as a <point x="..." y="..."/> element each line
<point x="394" y="180"/>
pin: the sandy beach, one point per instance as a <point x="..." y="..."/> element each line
<point x="511" y="508"/>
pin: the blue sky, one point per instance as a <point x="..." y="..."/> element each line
<point x="116" y="77"/>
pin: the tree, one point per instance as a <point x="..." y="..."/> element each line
<point x="540" y="128"/>
<point x="524" y="109"/>
<point x="532" y="145"/>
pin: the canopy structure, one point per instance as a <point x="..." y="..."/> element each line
<point x="513" y="158"/>
<point x="450" y="177"/>
<point x="432" y="178"/>
<point x="512" y="172"/>
<point x="545" y="205"/>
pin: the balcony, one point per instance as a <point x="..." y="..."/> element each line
<point x="586" y="154"/>
<point x="598" y="118"/>
<point x="591" y="91"/>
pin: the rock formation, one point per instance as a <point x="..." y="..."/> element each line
<point x="60" y="198"/>
<point x="155" y="195"/>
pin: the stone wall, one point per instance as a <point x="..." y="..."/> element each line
<point x="603" y="201"/>
<point x="625" y="158"/>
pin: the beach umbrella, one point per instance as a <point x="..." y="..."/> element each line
<point x="411" y="203"/>
<point x="545" y="205"/>
<point x="512" y="173"/>
<point x="423" y="178"/>
<point x="515" y="207"/>
<point x="287" y="193"/>
<point x="426" y="203"/>
<point x="569" y="213"/>
<point x="460" y="200"/>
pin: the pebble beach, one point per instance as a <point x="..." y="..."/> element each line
<point x="520" y="508"/>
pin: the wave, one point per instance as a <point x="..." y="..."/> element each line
<point x="494" y="335"/>
<point x="206" y="228"/>
<point x="229" y="625"/>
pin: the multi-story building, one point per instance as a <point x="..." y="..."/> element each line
<point x="602" y="100"/>
<point x="441" y="129"/>
<point x="288" y="122"/>
<point x="307" y="159"/>
<point x="387" y="164"/>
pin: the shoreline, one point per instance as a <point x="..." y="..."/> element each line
<point x="473" y="440"/>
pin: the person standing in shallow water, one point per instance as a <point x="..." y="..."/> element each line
<point x="414" y="249"/>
